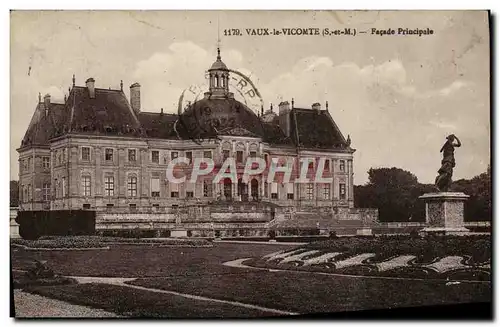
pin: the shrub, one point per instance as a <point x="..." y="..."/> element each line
<point x="271" y="234"/>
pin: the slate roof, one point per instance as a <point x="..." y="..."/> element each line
<point x="110" y="114"/>
<point x="43" y="124"/>
<point x="315" y="129"/>
<point x="158" y="125"/>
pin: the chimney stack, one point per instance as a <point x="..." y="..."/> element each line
<point x="135" y="97"/>
<point x="90" y="84"/>
<point x="46" y="103"/>
<point x="46" y="100"/>
<point x="284" y="117"/>
<point x="316" y="106"/>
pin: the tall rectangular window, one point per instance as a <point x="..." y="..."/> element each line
<point x="132" y="186"/>
<point x="342" y="165"/>
<point x="207" y="189"/>
<point x="207" y="154"/>
<point x="109" y="186"/>
<point x="64" y="187"/>
<point x="56" y="187"/>
<point x="326" y="191"/>
<point x="225" y="154"/>
<point x="327" y="165"/>
<point x="253" y="154"/>
<point x="132" y="156"/>
<point x="85" y="153"/>
<point x="155" y="187"/>
<point x="46" y="163"/>
<point x="174" y="155"/>
<point x="30" y="192"/>
<point x="46" y="192"/>
<point x="310" y="191"/>
<point x="342" y="193"/>
<point x="174" y="190"/>
<point x="155" y="156"/>
<point x="239" y="156"/>
<point x="86" y="185"/>
<point x="274" y="190"/>
<point x="189" y="189"/>
<point x="24" y="194"/>
<point x="289" y="191"/>
<point x="189" y="155"/>
<point x="109" y="154"/>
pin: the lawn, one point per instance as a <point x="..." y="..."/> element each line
<point x="125" y="301"/>
<point x="144" y="261"/>
<point x="308" y="293"/>
<point x="199" y="271"/>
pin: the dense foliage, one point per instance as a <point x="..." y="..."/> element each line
<point x="395" y="193"/>
<point x="82" y="242"/>
<point x="14" y="193"/>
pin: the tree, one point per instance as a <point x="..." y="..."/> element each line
<point x="478" y="206"/>
<point x="14" y="193"/>
<point x="393" y="191"/>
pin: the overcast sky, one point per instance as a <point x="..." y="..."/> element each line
<point x="397" y="96"/>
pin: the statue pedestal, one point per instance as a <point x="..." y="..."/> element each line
<point x="444" y="213"/>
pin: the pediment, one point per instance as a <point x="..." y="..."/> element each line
<point x="238" y="131"/>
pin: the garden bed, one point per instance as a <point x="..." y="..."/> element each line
<point x="100" y="242"/>
<point x="475" y="251"/>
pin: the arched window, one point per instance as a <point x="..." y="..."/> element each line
<point x="223" y="81"/>
<point x="217" y="80"/>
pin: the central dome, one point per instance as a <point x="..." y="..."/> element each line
<point x="207" y="118"/>
<point x="218" y="113"/>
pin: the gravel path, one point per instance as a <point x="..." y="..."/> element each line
<point x="35" y="306"/>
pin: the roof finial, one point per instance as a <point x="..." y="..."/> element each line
<point x="326" y="105"/>
<point x="121" y="85"/>
<point x="348" y="141"/>
<point x="271" y="107"/>
<point x="218" y="39"/>
<point x="65" y="98"/>
<point x="73" y="80"/>
<point x="262" y="109"/>
<point x="293" y="103"/>
<point x="39" y="97"/>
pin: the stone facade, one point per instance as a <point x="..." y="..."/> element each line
<point x="101" y="152"/>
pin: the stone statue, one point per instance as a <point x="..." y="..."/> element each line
<point x="443" y="180"/>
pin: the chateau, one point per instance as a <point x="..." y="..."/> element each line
<point x="100" y="151"/>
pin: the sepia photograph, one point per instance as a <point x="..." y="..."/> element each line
<point x="227" y="164"/>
